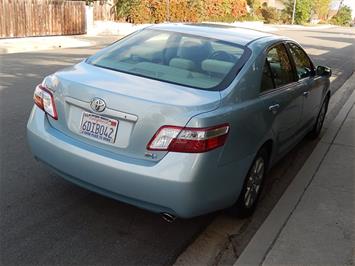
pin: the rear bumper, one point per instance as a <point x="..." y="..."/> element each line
<point x="185" y="185"/>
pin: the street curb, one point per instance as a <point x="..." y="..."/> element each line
<point x="207" y="246"/>
<point x="263" y="240"/>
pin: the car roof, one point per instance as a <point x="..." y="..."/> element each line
<point x="229" y="33"/>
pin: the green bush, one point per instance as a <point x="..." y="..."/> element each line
<point x="303" y="11"/>
<point x="320" y="8"/>
<point x="343" y="17"/>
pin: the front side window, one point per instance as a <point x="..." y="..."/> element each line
<point x="280" y="65"/>
<point x="267" y="82"/>
<point x="303" y="64"/>
<point x="174" y="57"/>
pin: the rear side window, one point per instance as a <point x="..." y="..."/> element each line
<point x="303" y="65"/>
<point x="174" y="57"/>
<point x="280" y="65"/>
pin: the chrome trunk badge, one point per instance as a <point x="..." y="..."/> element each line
<point x="98" y="105"/>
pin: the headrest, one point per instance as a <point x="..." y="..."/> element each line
<point x="194" y="50"/>
<point x="216" y="66"/>
<point x="143" y="52"/>
<point x="182" y="63"/>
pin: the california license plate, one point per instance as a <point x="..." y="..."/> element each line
<point x="98" y="127"/>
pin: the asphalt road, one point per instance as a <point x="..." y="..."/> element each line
<point x="47" y="220"/>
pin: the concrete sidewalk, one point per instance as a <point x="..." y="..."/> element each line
<point x="30" y="44"/>
<point x="313" y="222"/>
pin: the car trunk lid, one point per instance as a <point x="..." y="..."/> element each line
<point x="140" y="105"/>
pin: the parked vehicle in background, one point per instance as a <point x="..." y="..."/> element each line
<point x="180" y="119"/>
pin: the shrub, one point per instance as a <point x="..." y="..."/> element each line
<point x="321" y="8"/>
<point x="223" y="10"/>
<point x="269" y="14"/>
<point x="303" y="10"/>
<point x="343" y="17"/>
<point x="141" y="12"/>
<point x="124" y="9"/>
<point x="285" y="17"/>
<point x="184" y="11"/>
<point x="155" y="11"/>
<point x="254" y="6"/>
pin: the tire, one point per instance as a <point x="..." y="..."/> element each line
<point x="252" y="187"/>
<point x="317" y="128"/>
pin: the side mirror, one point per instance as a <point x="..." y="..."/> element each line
<point x="324" y="71"/>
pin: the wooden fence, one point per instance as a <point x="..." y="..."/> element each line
<point x="22" y="18"/>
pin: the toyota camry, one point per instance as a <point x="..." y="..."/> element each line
<point x="180" y="119"/>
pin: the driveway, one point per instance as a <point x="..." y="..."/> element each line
<point x="46" y="220"/>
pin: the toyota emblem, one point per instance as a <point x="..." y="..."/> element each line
<point x="98" y="105"/>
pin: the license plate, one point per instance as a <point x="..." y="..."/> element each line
<point x="98" y="127"/>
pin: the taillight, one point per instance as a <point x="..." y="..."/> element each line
<point x="44" y="99"/>
<point x="188" y="139"/>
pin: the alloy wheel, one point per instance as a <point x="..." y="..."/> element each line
<point x="254" y="182"/>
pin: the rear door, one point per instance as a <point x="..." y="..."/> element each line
<point x="282" y="97"/>
<point x="311" y="84"/>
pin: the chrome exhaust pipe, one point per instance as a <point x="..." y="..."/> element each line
<point x="168" y="217"/>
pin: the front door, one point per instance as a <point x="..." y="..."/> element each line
<point x="309" y="82"/>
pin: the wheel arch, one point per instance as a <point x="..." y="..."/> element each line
<point x="269" y="146"/>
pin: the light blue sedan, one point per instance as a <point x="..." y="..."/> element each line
<point x="180" y="119"/>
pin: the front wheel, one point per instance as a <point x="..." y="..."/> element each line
<point x="246" y="203"/>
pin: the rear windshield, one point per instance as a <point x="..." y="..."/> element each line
<point x="173" y="57"/>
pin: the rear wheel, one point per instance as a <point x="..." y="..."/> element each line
<point x="246" y="203"/>
<point x="320" y="119"/>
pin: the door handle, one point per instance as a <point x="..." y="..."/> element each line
<point x="274" y="108"/>
<point x="305" y="93"/>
